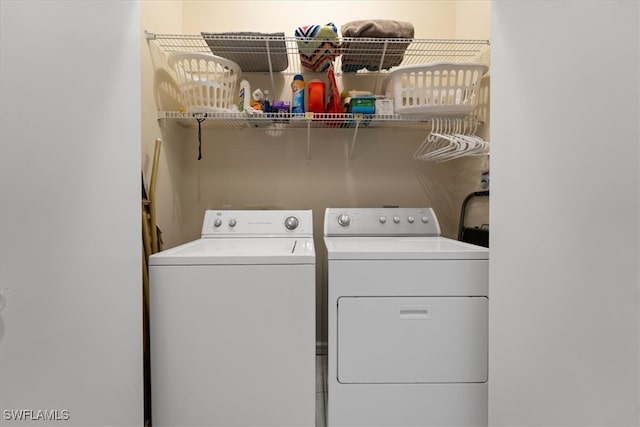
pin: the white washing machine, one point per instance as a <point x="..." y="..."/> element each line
<point x="408" y="321"/>
<point x="232" y="323"/>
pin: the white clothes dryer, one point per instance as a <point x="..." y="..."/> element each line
<point x="408" y="321"/>
<point x="232" y="323"/>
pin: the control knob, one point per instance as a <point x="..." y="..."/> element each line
<point x="344" y="220"/>
<point x="425" y="219"/>
<point x="411" y="219"/>
<point x="232" y="222"/>
<point x="217" y="223"/>
<point x="396" y="219"/>
<point x="383" y="219"/>
<point x="291" y="223"/>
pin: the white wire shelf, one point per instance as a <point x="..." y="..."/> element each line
<point x="269" y="57"/>
<point x="269" y="53"/>
<point x="276" y="124"/>
<point x="285" y="121"/>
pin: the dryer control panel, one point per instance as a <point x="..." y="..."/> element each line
<point x="381" y="222"/>
<point x="258" y="223"/>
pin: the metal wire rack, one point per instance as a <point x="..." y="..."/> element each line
<point x="268" y="53"/>
<point x="273" y="56"/>
<point x="286" y="121"/>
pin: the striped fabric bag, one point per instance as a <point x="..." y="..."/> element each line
<point x="318" y="46"/>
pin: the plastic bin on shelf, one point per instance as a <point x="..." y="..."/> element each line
<point x="207" y="83"/>
<point x="438" y="89"/>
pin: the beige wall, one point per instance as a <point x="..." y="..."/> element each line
<point x="473" y="19"/>
<point x="252" y="168"/>
<point x="436" y="19"/>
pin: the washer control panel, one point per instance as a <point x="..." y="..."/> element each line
<point x="230" y="223"/>
<point x="381" y="222"/>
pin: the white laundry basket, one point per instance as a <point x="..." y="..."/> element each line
<point x="443" y="88"/>
<point x="207" y="82"/>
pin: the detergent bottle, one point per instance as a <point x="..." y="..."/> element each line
<point x="297" y="94"/>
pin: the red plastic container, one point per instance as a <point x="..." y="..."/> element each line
<point x="315" y="96"/>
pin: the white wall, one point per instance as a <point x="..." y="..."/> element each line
<point x="70" y="251"/>
<point x="564" y="346"/>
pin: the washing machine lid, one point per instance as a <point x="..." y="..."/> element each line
<point x="401" y="248"/>
<point x="239" y="251"/>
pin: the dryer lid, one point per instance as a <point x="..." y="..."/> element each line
<point x="401" y="248"/>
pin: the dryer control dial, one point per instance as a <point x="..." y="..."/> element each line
<point x="411" y="219"/>
<point x="217" y="222"/>
<point x="344" y="220"/>
<point x="291" y="223"/>
<point x="382" y="219"/>
<point x="232" y="222"/>
<point x="396" y="219"/>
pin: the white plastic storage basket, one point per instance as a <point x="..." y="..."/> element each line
<point x="207" y="82"/>
<point x="443" y="88"/>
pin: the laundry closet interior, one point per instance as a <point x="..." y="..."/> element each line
<point x="307" y="164"/>
<point x="234" y="161"/>
<point x="564" y="199"/>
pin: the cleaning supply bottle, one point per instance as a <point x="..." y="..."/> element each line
<point x="297" y="94"/>
<point x="245" y="96"/>
<point x="315" y="96"/>
<point x="267" y="102"/>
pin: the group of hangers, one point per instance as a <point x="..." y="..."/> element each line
<point x="451" y="138"/>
